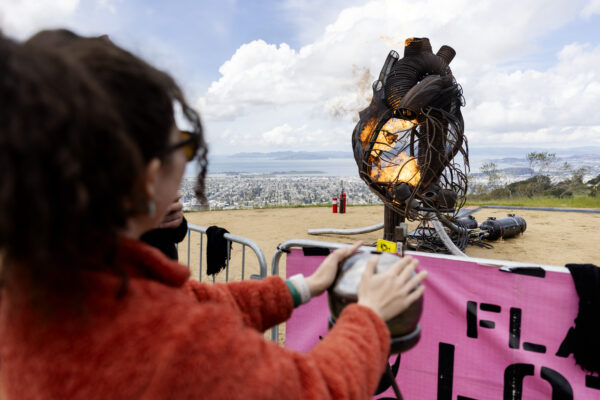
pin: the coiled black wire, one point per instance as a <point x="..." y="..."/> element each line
<point x="425" y="238"/>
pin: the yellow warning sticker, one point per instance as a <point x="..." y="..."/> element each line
<point x="386" y="245"/>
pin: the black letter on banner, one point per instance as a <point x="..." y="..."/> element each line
<point x="490" y="307"/>
<point x="566" y="346"/>
<point x="471" y="319"/>
<point x="487" y="324"/>
<point x="561" y="390"/>
<point x="513" y="380"/>
<point x="592" y="381"/>
<point x="445" y="371"/>
<point x="536" y="348"/>
<point x="515" y="328"/>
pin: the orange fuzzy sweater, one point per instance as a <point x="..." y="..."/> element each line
<point x="172" y="338"/>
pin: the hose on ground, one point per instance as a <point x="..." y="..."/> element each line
<point x="439" y="228"/>
<point x="355" y="231"/>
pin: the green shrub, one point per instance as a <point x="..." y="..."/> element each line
<point x="575" y="201"/>
<point x="534" y="186"/>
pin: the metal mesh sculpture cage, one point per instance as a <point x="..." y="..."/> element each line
<point x="409" y="144"/>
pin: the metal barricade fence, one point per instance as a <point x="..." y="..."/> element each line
<point x="285" y="248"/>
<point x="194" y="249"/>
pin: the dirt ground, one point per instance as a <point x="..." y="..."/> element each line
<point x="551" y="238"/>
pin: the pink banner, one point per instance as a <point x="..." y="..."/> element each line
<point x="486" y="334"/>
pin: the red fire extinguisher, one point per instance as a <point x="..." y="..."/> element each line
<point x="343" y="202"/>
<point x="334" y="202"/>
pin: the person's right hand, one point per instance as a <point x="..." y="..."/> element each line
<point x="389" y="293"/>
<point x="324" y="276"/>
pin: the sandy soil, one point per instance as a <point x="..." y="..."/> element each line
<point x="552" y="238"/>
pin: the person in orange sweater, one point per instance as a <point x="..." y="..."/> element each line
<point x="88" y="311"/>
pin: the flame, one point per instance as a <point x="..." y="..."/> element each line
<point x="396" y="124"/>
<point x="365" y="134"/>
<point x="387" y="135"/>
<point x="402" y="168"/>
<point x="385" y="141"/>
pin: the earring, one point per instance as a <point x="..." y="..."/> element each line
<point x="151" y="209"/>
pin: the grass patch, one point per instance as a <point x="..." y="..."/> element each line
<point x="540" y="201"/>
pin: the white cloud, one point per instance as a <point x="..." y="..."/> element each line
<point x="21" y="18"/>
<point x="289" y="137"/>
<point x="273" y="96"/>
<point x="276" y="128"/>
<point x="591" y="9"/>
<point x="324" y="81"/>
<point x="258" y="73"/>
<point x="564" y="96"/>
<point x="279" y="135"/>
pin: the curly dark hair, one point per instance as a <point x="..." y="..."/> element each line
<point x="67" y="167"/>
<point x="143" y="95"/>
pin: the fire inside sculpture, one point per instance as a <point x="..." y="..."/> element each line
<point x="409" y="144"/>
<point x="410" y="148"/>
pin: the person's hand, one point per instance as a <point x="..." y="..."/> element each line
<point x="323" y="277"/>
<point x="174" y="216"/>
<point x="390" y="293"/>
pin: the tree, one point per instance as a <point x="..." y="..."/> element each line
<point x="578" y="175"/>
<point x="541" y="161"/>
<point x="531" y="157"/>
<point x="566" y="168"/>
<point x="490" y="169"/>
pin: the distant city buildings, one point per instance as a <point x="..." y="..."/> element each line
<point x="225" y="192"/>
<point x="240" y="190"/>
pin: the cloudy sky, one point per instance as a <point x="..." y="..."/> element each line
<point x="271" y="75"/>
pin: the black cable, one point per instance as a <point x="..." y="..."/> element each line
<point x="427" y="239"/>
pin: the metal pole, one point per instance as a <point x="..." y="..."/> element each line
<point x="391" y="219"/>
